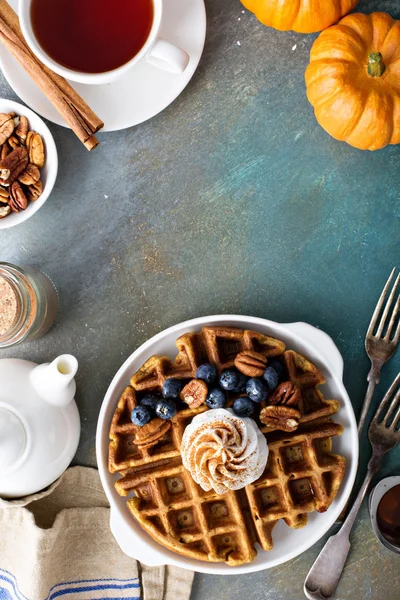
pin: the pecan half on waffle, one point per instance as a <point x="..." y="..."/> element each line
<point x="251" y="363"/>
<point x="149" y="434"/>
<point x="284" y="418"/>
<point x="285" y="394"/>
<point x="194" y="393"/>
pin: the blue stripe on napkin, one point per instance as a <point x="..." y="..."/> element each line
<point x="92" y="589"/>
<point x="9" y="587"/>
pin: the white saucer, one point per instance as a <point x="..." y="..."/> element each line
<point x="138" y="95"/>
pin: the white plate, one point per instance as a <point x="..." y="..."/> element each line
<point x="49" y="172"/>
<point x="143" y="91"/>
<point x="308" y="340"/>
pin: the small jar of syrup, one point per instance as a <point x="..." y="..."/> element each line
<point x="388" y="515"/>
<point x="385" y="512"/>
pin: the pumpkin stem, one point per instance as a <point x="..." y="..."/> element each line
<point x="376" y="66"/>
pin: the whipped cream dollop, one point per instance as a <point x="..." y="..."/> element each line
<point x="222" y="451"/>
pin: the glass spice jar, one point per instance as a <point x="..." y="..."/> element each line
<point x="28" y="304"/>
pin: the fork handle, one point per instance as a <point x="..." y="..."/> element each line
<point x="373" y="379"/>
<point x="324" y="575"/>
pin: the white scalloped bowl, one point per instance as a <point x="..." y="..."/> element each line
<point x="49" y="172"/>
<point x="289" y="543"/>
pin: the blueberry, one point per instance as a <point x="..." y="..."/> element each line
<point x="172" y="387"/>
<point x="257" y="390"/>
<point x="166" y="409"/>
<point x="278" y="367"/>
<point x="207" y="373"/>
<point x="141" y="415"/>
<point x="216" y="398"/>
<point x="229" y="380"/>
<point x="180" y="405"/>
<point x="241" y="386"/>
<point x="150" y="400"/>
<point x="243" y="407"/>
<point x="271" y="378"/>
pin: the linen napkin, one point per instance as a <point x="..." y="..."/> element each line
<point x="58" y="544"/>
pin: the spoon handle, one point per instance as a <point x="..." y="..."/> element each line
<point x="324" y="575"/>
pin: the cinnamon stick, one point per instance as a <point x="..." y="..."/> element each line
<point x="79" y="116"/>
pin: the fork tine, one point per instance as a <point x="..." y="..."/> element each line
<point x="387" y="306"/>
<point x="396" y="420"/>
<point x="396" y="336"/>
<point x="387" y="399"/>
<point x="380" y="304"/>
<point x="391" y="409"/>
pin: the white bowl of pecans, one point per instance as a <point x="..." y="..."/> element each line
<point x="28" y="163"/>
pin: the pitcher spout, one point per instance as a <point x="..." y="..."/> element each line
<point x="54" y="382"/>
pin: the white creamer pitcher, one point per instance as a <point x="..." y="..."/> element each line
<point x="39" y="423"/>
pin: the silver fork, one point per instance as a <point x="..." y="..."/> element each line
<point x="384" y="434"/>
<point x="381" y="347"/>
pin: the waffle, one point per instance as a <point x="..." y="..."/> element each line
<point x="213" y="344"/>
<point x="218" y="345"/>
<point x="302" y="475"/>
<point x="303" y="373"/>
<point x="178" y="514"/>
<point x="124" y="453"/>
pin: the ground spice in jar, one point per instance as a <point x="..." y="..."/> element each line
<point x="9" y="306"/>
<point x="31" y="315"/>
<point x="28" y="304"/>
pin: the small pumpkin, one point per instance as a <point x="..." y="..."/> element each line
<point x="353" y="80"/>
<point x="304" y="17"/>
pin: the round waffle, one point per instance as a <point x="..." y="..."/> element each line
<point x="302" y="475"/>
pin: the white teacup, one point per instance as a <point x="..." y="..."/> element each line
<point x="157" y="51"/>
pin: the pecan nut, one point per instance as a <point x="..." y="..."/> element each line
<point x="251" y="363"/>
<point x="36" y="149"/>
<point x="4" y="211"/>
<point x="4" y="195"/>
<point x="13" y="141"/>
<point x="6" y="127"/>
<point x="22" y="130"/>
<point x="29" y="137"/>
<point x="285" y="394"/>
<point x="17" y="201"/>
<point x="13" y="165"/>
<point x="151" y="433"/>
<point x="30" y="176"/>
<point x="34" y="191"/>
<point x="284" y="418"/>
<point x="5" y="151"/>
<point x="194" y="393"/>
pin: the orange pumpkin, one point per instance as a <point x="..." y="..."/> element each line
<point x="353" y="80"/>
<point x="302" y="16"/>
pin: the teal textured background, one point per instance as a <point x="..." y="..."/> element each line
<point x="232" y="200"/>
